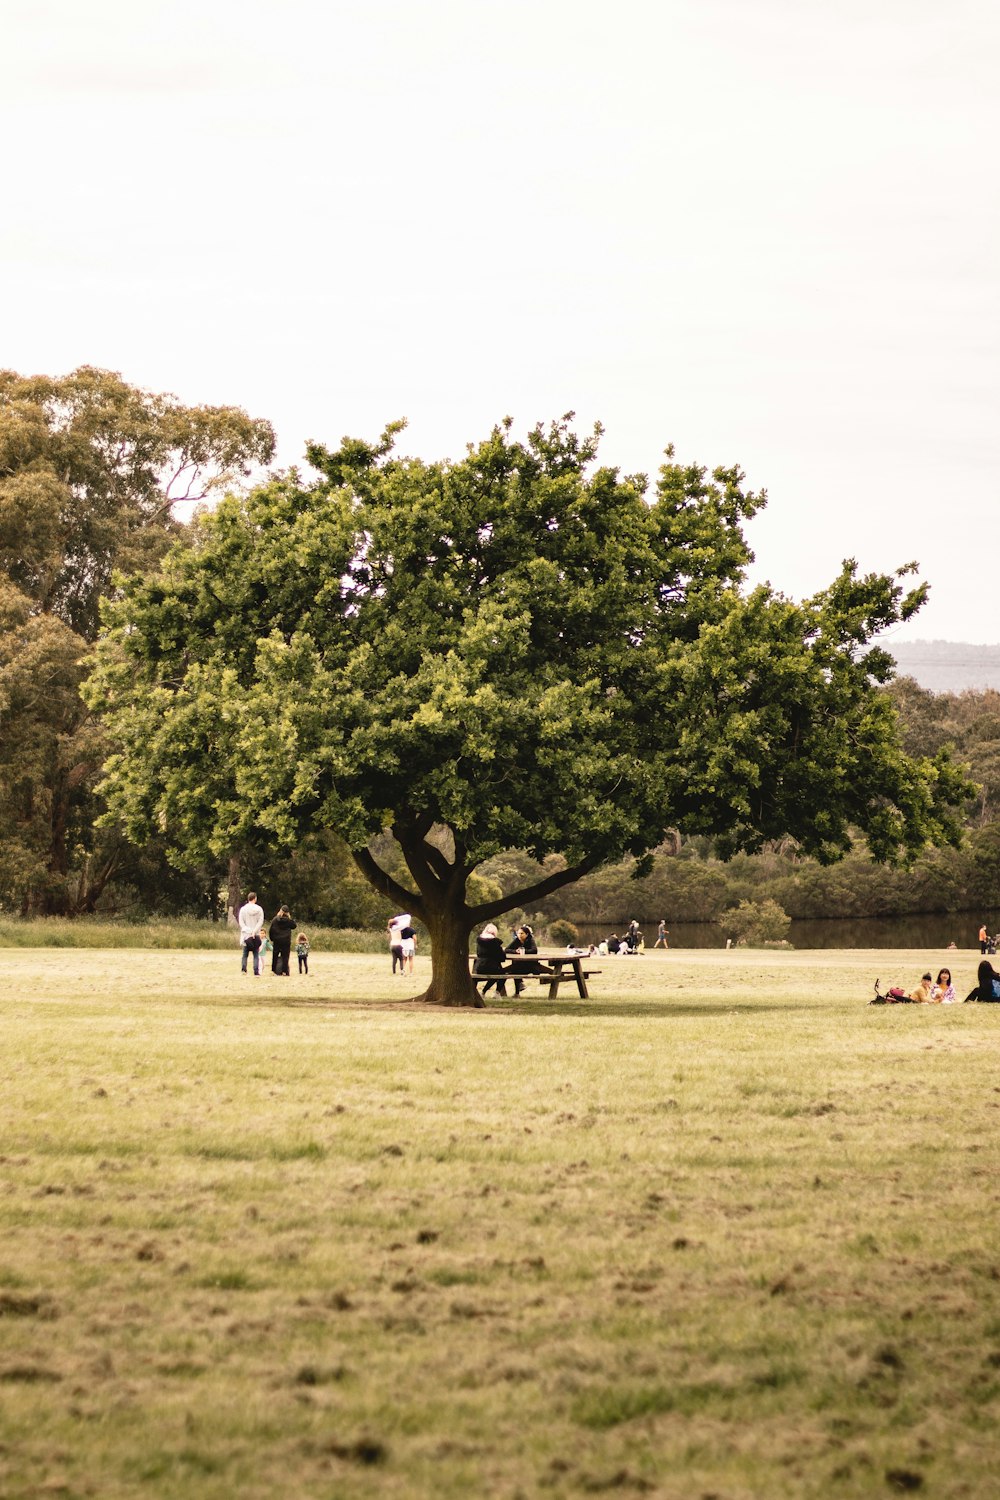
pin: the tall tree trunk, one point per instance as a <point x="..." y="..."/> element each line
<point x="233" y="892"/>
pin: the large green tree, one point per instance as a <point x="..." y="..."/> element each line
<point x="519" y="649"/>
<point x="91" y="469"/>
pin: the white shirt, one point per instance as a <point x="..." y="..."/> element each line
<point x="395" y="928"/>
<point x="251" y="919"/>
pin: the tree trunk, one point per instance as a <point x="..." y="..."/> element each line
<point x="441" y="904"/>
<point x="451" y="983"/>
<point x="233" y="893"/>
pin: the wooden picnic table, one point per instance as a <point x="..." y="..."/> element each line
<point x="562" y="963"/>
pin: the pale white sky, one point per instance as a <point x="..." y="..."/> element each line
<point x="764" y="230"/>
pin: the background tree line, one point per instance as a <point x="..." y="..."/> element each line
<point x="97" y="479"/>
<point x="691" y="881"/>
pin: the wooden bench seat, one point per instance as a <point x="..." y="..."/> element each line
<point x="553" y="977"/>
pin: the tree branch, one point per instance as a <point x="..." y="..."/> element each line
<point x="376" y="876"/>
<point x="535" y="892"/>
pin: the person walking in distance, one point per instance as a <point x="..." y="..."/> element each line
<point x="280" y="933"/>
<point x="408" y="938"/>
<point x="250" y="916"/>
<point x="662" y="934"/>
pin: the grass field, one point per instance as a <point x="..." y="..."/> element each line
<point x="723" y="1231"/>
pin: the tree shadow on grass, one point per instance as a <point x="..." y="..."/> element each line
<point x="642" y="1010"/>
<point x="636" y="1010"/>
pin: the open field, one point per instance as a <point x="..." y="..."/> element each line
<point x="723" y="1231"/>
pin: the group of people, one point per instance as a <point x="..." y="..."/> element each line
<point x="402" y="942"/>
<point x="256" y="940"/>
<point x="634" y="940"/>
<point x="941" y="991"/>
<point x="516" y="958"/>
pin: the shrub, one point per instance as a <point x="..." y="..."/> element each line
<point x="756" y="922"/>
<point x="563" y="933"/>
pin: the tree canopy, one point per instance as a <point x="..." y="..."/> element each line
<point x="517" y="649"/>
<point x="90" y="470"/>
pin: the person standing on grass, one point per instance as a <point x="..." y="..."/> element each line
<point x="662" y="934"/>
<point x="984" y="938"/>
<point x="395" y="927"/>
<point x="302" y="953"/>
<point x="280" y="933"/>
<point x="408" y="938"/>
<point x="250" y="916"/>
<point x="266" y="948"/>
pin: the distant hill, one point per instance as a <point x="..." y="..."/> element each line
<point x="947" y="666"/>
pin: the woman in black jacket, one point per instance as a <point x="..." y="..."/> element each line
<point x="490" y="955"/>
<point x="522" y="947"/>
<point x="985" y="989"/>
<point x="280" y="933"/>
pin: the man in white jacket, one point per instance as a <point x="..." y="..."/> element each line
<point x="250" y="917"/>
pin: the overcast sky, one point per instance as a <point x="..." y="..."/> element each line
<point x="763" y="230"/>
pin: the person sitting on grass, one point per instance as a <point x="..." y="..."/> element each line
<point x="923" y="992"/>
<point x="943" y="992"/>
<point x="987" y="989"/>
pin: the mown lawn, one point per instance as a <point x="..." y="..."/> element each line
<point x="723" y="1231"/>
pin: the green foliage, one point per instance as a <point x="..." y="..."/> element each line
<point x="101" y="932"/>
<point x="968" y="723"/>
<point x="517" y="650"/>
<point x="90" y="469"/>
<point x="754" y="922"/>
<point x="563" y="933"/>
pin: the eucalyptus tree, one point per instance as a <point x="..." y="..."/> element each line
<point x="91" y="472"/>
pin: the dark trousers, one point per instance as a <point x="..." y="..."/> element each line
<point x="280" y="957"/>
<point x="397" y="957"/>
<point x="252" y="945"/>
<point x="303" y="963"/>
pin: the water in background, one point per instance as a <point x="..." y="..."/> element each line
<point x="933" y="931"/>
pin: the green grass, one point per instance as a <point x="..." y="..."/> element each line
<point x="722" y="1230"/>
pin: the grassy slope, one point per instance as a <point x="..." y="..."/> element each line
<point x="722" y="1231"/>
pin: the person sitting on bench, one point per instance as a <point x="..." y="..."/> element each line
<point x="490" y="955"/>
<point x="520" y="948"/>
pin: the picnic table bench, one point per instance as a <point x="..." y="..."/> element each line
<point x="560" y="963"/>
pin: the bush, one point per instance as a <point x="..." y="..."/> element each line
<point x="755" y="922"/>
<point x="563" y="934"/>
<point x="93" y="932"/>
